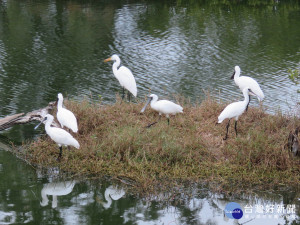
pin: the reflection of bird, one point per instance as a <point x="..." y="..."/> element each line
<point x="56" y="189"/>
<point x="245" y="81"/>
<point x="65" y="117"/>
<point x="162" y="106"/>
<point x="124" y="76"/>
<point x="234" y="110"/>
<point x="60" y="136"/>
<point x="112" y="193"/>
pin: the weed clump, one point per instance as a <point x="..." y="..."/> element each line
<point x="114" y="141"/>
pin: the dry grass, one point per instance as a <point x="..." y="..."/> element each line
<point x="115" y="142"/>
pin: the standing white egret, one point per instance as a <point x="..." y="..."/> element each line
<point x="60" y="136"/>
<point x="163" y="107"/>
<point x="64" y="116"/>
<point x="245" y="81"/>
<point x="234" y="110"/>
<point x="124" y="76"/>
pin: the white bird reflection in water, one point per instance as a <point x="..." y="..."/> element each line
<point x="56" y="189"/>
<point x="111" y="193"/>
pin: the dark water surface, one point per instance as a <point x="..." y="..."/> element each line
<point x="30" y="196"/>
<point x="172" y="47"/>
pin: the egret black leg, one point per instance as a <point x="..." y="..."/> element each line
<point x="60" y="153"/>
<point x="151" y="124"/>
<point x="168" y="121"/>
<point x="235" y="128"/>
<point x="228" y="124"/>
<point x="248" y="103"/>
<point x="128" y="96"/>
<point x="123" y="93"/>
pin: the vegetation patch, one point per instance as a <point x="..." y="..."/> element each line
<point x="114" y="141"/>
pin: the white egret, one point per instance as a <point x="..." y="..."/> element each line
<point x="112" y="193"/>
<point x="56" y="189"/>
<point x="58" y="135"/>
<point x="163" y="107"/>
<point x="64" y="116"/>
<point x="234" y="110"/>
<point x="124" y="76"/>
<point x="245" y="81"/>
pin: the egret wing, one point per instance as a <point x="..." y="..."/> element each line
<point x="245" y="81"/>
<point x="127" y="79"/>
<point x="232" y="110"/>
<point x="66" y="118"/>
<point x="62" y="137"/>
<point x="168" y="107"/>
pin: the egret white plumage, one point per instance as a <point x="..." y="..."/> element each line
<point x="58" y="135"/>
<point x="124" y="76"/>
<point x="163" y="107"/>
<point x="245" y="81"/>
<point x="64" y="116"/>
<point x="234" y="110"/>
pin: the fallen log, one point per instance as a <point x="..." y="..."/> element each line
<point x="36" y="115"/>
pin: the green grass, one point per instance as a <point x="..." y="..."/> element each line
<point x="114" y="142"/>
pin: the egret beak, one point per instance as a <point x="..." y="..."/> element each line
<point x="232" y="77"/>
<point x="106" y="60"/>
<point x="143" y="109"/>
<point x="36" y="127"/>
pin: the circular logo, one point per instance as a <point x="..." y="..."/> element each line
<point x="233" y="210"/>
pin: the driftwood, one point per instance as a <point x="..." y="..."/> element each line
<point x="36" y="115"/>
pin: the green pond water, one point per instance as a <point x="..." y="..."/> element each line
<point x="172" y="47"/>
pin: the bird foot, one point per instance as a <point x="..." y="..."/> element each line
<point x="151" y="124"/>
<point x="59" y="158"/>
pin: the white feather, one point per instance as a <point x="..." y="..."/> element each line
<point x="126" y="79"/>
<point x="65" y="117"/>
<point x="163" y="106"/>
<point x="245" y="81"/>
<point x="235" y="109"/>
<point x="123" y="75"/>
<point x="58" y="135"/>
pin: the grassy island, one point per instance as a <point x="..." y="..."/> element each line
<point x="114" y="141"/>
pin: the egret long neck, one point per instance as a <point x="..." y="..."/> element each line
<point x="237" y="74"/>
<point x="246" y="95"/>
<point x="48" y="123"/>
<point x="153" y="101"/>
<point x="116" y="65"/>
<point x="59" y="103"/>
